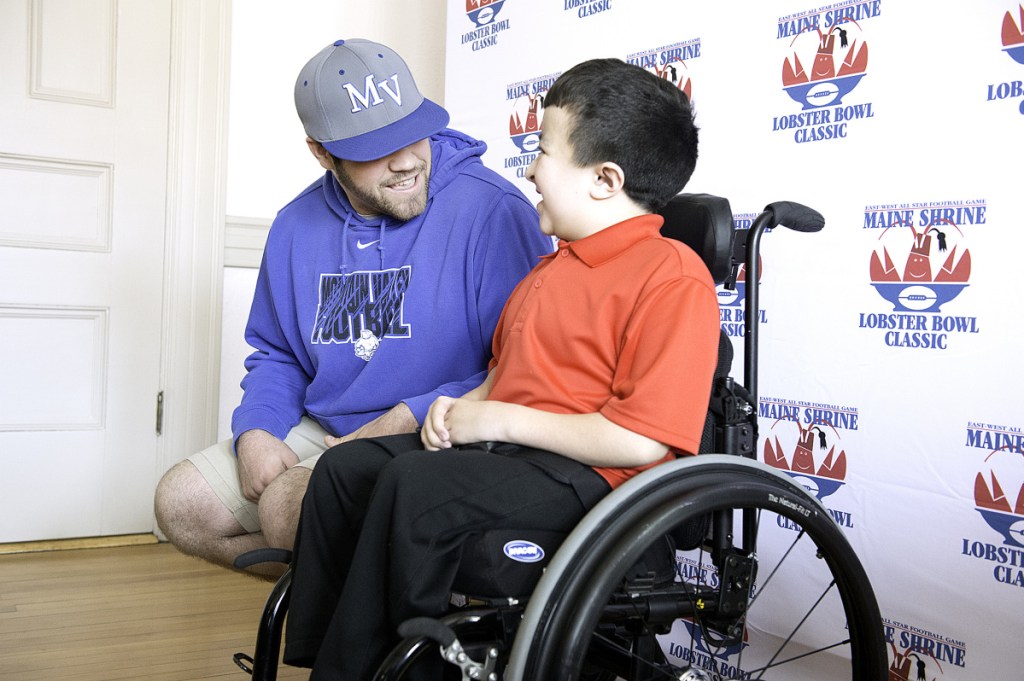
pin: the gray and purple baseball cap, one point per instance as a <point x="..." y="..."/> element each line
<point x="358" y="99"/>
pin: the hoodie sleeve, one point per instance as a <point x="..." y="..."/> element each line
<point x="507" y="246"/>
<point x="275" y="383"/>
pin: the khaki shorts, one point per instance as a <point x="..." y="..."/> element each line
<point x="219" y="467"/>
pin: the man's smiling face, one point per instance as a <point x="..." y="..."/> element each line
<point x="395" y="185"/>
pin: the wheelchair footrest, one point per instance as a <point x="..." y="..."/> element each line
<point x="244" y="662"/>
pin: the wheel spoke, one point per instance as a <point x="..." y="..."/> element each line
<point x="781" y="562"/>
<point x="801" y="656"/>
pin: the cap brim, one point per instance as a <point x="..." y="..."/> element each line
<point x="427" y="119"/>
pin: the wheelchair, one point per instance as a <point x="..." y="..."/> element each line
<point x="709" y="567"/>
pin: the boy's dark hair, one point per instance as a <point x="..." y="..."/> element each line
<point x="622" y="113"/>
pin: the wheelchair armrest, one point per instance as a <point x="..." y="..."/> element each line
<point x="427" y="627"/>
<point x="267" y="555"/>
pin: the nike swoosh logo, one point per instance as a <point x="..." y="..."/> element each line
<point x="360" y="245"/>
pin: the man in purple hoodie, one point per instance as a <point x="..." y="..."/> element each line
<point x="380" y="288"/>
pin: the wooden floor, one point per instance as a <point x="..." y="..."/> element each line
<point x="135" y="612"/>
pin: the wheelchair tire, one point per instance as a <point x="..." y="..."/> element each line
<point x="567" y="606"/>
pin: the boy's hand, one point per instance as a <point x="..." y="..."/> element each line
<point x="460" y="421"/>
<point x="433" y="434"/>
<point x="436" y="431"/>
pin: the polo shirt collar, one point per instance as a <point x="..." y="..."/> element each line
<point x="599" y="248"/>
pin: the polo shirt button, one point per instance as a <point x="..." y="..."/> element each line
<point x="565" y="253"/>
<point x="536" y="284"/>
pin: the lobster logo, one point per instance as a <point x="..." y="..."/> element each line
<point x="921" y="287"/>
<point x="736" y="296"/>
<point x="820" y="480"/>
<point x="675" y="73"/>
<point x="837" y="67"/>
<point x="483" y="12"/>
<point x="1013" y="36"/>
<point x="1002" y="514"/>
<point x="910" y="667"/>
<point x="525" y="121"/>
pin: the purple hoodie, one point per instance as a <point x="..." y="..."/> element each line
<point x="353" y="315"/>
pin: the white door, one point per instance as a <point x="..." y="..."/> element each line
<point x="83" y="151"/>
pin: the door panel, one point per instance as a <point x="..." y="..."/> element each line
<point x="83" y="156"/>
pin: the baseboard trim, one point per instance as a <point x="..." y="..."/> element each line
<point x="79" y="543"/>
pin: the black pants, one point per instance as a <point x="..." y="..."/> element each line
<point x="382" y="530"/>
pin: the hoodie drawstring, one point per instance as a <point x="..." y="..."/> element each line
<point x="344" y="244"/>
<point x="344" y="240"/>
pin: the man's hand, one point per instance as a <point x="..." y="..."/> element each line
<point x="399" y="420"/>
<point x="261" y="458"/>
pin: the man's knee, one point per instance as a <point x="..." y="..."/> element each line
<point x="286" y="490"/>
<point x="188" y="511"/>
<point x="171" y="502"/>
<point x="281" y="504"/>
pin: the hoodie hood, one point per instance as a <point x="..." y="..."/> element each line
<point x="451" y="150"/>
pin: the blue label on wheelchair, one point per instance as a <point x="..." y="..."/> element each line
<point x="523" y="551"/>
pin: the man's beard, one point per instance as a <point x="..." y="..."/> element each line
<point x="382" y="204"/>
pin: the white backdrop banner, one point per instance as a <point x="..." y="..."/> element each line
<point x="895" y="331"/>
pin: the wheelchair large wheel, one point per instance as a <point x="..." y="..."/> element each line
<point x="807" y="611"/>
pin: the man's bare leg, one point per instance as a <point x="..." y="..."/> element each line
<point x="280" y="507"/>
<point x="199" y="524"/>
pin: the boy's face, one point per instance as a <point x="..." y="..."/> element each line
<point x="563" y="186"/>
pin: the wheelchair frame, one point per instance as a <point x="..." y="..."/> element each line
<point x="587" y="619"/>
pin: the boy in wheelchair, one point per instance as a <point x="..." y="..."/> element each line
<point x="603" y="361"/>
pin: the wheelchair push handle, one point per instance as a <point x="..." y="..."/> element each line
<point x="795" y="216"/>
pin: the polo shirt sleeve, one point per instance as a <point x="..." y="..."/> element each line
<point x="662" y="383"/>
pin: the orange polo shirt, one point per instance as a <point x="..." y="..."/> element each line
<point x="624" y="323"/>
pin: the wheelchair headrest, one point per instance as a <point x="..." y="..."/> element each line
<point x="704" y="223"/>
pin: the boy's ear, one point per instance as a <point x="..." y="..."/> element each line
<point x="609" y="181"/>
<point x="321" y="154"/>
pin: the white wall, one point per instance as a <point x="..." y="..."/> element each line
<point x="268" y="162"/>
